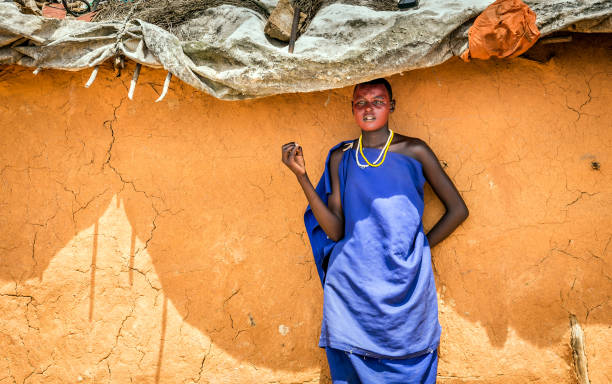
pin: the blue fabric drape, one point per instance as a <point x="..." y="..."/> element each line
<point x="379" y="295"/>
<point x="319" y="242"/>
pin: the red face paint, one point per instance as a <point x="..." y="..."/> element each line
<point x="371" y="106"/>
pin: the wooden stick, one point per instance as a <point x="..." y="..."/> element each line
<point x="556" y="39"/>
<point x="577" y="344"/>
<point x="134" y="81"/>
<point x="294" y="27"/>
<point x="94" y="73"/>
<point x="165" y="90"/>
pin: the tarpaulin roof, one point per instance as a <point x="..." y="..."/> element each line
<point x="225" y="52"/>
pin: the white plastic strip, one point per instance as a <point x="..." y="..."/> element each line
<point x="134" y="81"/>
<point x="37" y="70"/>
<point x="165" y="90"/>
<point x="94" y="73"/>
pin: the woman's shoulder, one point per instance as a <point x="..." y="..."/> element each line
<point x="407" y="142"/>
<point x="338" y="153"/>
<point x="409" y="146"/>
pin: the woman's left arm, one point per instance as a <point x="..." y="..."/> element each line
<point x="456" y="210"/>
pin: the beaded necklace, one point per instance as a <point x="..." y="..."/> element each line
<point x="383" y="153"/>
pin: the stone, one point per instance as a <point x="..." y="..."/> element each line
<point x="280" y="21"/>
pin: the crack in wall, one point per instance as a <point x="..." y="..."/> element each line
<point x="589" y="98"/>
<point x="154" y="227"/>
<point x="240" y="330"/>
<point x="109" y="124"/>
<point x="34" y="252"/>
<point x="83" y="207"/>
<point x="34" y="372"/>
<point x="131" y="314"/>
<point x="146" y="277"/>
<point x="31" y="301"/>
<point x="582" y="193"/>
<point x="202" y="363"/>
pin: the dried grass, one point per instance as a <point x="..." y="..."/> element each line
<point x="167" y="14"/>
<point x="377" y="5"/>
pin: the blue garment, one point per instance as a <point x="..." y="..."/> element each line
<point x="320" y="243"/>
<point x="349" y="368"/>
<point x="379" y="295"/>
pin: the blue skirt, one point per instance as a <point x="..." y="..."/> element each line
<point x="350" y="368"/>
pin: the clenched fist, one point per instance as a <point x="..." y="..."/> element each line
<point x="293" y="158"/>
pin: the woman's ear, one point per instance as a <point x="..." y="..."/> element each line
<point x="392" y="107"/>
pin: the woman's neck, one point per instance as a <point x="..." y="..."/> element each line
<point x="375" y="139"/>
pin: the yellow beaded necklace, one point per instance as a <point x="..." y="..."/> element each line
<point x="383" y="153"/>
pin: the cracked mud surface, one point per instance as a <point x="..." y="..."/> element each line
<point x="163" y="242"/>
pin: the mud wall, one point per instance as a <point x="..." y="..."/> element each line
<point x="163" y="242"/>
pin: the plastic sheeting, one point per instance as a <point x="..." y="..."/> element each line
<point x="225" y="52"/>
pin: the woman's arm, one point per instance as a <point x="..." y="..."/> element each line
<point x="330" y="216"/>
<point x="456" y="210"/>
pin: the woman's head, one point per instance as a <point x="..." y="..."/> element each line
<point x="372" y="103"/>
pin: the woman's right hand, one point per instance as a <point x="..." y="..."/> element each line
<point x="293" y="158"/>
<point x="330" y="217"/>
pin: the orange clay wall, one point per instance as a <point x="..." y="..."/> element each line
<point x="146" y="242"/>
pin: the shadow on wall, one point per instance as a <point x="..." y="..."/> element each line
<point x="204" y="190"/>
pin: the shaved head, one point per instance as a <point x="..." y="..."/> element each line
<point x="375" y="82"/>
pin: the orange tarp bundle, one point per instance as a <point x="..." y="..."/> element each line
<point x="505" y="29"/>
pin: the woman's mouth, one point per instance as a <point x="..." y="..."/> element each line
<point x="369" y="118"/>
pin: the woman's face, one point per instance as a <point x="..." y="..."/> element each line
<point x="371" y="106"/>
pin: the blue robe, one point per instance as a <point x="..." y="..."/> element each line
<point x="379" y="295"/>
<point x="350" y="368"/>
